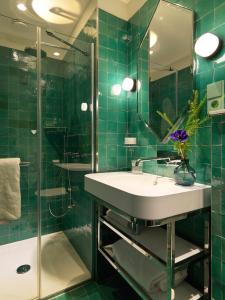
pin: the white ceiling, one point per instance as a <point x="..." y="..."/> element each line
<point x="19" y="35"/>
<point x="123" y="9"/>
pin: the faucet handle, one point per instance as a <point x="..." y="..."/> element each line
<point x="136" y="169"/>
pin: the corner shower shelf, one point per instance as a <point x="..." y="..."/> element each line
<point x="53" y="192"/>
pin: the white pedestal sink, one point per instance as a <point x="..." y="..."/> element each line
<point x="146" y="196"/>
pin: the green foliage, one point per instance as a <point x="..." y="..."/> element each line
<point x="191" y="123"/>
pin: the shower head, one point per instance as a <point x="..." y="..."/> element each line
<point x="33" y="52"/>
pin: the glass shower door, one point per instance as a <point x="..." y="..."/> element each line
<point x="66" y="213"/>
<point x="18" y="141"/>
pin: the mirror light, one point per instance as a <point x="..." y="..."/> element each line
<point x="21" y="6"/>
<point x="129" y="84"/>
<point x="207" y="45"/>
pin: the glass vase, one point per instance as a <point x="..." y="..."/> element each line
<point x="184" y="174"/>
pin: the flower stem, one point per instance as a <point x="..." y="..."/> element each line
<point x="181" y="151"/>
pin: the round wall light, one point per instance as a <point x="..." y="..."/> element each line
<point x="84" y="106"/>
<point x="153" y="38"/>
<point x="129" y="84"/>
<point x="207" y="45"/>
<point x="21" y="6"/>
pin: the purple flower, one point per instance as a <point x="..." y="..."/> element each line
<point x="179" y="136"/>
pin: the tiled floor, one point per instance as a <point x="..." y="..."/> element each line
<point x="104" y="291"/>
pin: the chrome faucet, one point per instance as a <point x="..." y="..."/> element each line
<point x="139" y="160"/>
<point x="136" y="163"/>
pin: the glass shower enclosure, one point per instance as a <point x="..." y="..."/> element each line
<point x="47" y="105"/>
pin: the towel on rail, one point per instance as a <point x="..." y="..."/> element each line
<point x="148" y="273"/>
<point x="10" y="197"/>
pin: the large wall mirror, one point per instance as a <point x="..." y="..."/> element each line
<point x="165" y="67"/>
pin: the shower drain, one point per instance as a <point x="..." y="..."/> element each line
<point x="23" y="269"/>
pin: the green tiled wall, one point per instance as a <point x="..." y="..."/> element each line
<point x="207" y="151"/>
<point x="18" y="118"/>
<point x="112" y="110"/>
<point x="208" y="143"/>
<point x="78" y="223"/>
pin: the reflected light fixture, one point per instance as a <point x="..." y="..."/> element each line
<point x="138" y="85"/>
<point x="207" y="45"/>
<point x="21" y="6"/>
<point x="153" y="38"/>
<point x="84" y="106"/>
<point x="129" y="84"/>
<point x="116" y="90"/>
<point x="56" y="53"/>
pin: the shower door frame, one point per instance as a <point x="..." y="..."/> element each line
<point x="93" y="96"/>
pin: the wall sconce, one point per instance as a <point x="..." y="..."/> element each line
<point x="84" y="106"/>
<point x="207" y="45"/>
<point x="129" y="84"/>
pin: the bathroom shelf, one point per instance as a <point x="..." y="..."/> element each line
<point x="184" y="291"/>
<point x="185" y="251"/>
<point x="53" y="192"/>
<point x="150" y="241"/>
<point x="217" y="112"/>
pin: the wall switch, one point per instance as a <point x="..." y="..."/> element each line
<point x="215" y="97"/>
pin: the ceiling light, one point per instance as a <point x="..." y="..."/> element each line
<point x="153" y="38"/>
<point x="207" y="45"/>
<point x="56" y="53"/>
<point x="57" y="11"/>
<point x="151" y="52"/>
<point x="21" y="6"/>
<point x="129" y="84"/>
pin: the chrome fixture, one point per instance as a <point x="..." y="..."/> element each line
<point x="137" y="164"/>
<point x="139" y="160"/>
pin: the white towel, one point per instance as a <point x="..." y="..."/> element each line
<point x="10" y="197"/>
<point x="148" y="273"/>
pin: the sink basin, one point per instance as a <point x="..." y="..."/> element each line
<point x="74" y="166"/>
<point x="146" y="196"/>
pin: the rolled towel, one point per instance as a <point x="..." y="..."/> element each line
<point x="179" y="278"/>
<point x="149" y="274"/>
<point x="10" y="196"/>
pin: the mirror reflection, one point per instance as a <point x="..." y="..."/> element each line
<point x="165" y="67"/>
